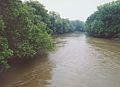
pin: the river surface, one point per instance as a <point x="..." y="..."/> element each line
<point x="78" y="61"/>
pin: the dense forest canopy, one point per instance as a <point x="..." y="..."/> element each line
<point x="27" y="27"/>
<point x="105" y="22"/>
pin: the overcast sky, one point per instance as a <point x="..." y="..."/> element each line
<point x="73" y="9"/>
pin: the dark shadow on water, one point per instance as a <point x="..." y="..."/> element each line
<point x="30" y="72"/>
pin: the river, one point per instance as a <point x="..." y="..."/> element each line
<point x="78" y="61"/>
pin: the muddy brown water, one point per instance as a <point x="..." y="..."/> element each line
<point x="78" y="61"/>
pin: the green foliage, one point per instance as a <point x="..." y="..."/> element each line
<point x="60" y="25"/>
<point x="24" y="32"/>
<point x="78" y="25"/>
<point x="106" y="21"/>
<point x="25" y="50"/>
<point x="32" y="35"/>
<point x="5" y="52"/>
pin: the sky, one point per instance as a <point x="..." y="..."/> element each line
<point x="73" y="9"/>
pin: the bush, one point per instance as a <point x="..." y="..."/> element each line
<point x="5" y="52"/>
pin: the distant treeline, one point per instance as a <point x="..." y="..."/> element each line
<point x="105" y="22"/>
<point x="27" y="27"/>
<point x="59" y="25"/>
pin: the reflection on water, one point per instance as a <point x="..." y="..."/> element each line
<point x="78" y="61"/>
<point x="33" y="73"/>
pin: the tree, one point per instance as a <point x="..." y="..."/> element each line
<point x="60" y="25"/>
<point x="22" y="34"/>
<point x="106" y="21"/>
<point x="78" y="25"/>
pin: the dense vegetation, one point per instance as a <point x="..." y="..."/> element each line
<point x="26" y="28"/>
<point x="60" y="25"/>
<point x="105" y="22"/>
